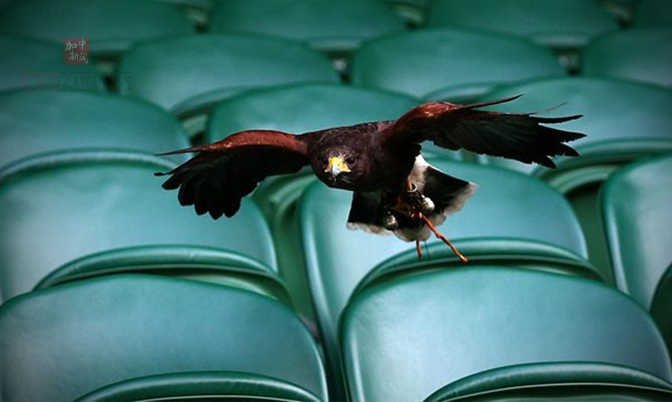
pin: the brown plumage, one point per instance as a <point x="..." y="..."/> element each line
<point x="379" y="161"/>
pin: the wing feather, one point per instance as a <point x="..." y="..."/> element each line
<point x="521" y="136"/>
<point x="222" y="173"/>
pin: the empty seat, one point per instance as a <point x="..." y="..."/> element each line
<point x="637" y="218"/>
<point x="461" y="64"/>
<point x="334" y="27"/>
<point x="36" y="65"/>
<point x="60" y="208"/>
<point x="187" y="75"/>
<point x="623" y="121"/>
<point x="110" y="27"/>
<point x="297" y="109"/>
<point x="509" y="210"/>
<point x="34" y="122"/>
<point x="555" y="23"/>
<point x="643" y="54"/>
<point x="156" y="337"/>
<point x="556" y="381"/>
<point x="407" y="337"/>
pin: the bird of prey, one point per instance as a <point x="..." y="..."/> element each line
<point x="394" y="189"/>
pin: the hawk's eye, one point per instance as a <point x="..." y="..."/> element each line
<point x="325" y="161"/>
<point x="350" y="160"/>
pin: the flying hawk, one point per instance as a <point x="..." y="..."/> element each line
<point x="394" y="188"/>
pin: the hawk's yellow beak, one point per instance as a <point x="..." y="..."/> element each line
<point x="336" y="166"/>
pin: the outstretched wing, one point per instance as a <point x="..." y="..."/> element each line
<point x="520" y="136"/>
<point x="222" y="173"/>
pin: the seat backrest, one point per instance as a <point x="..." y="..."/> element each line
<point x="35" y="65"/>
<point x="643" y="54"/>
<point x="305" y="107"/>
<point x="72" y="339"/>
<point x="330" y="26"/>
<point x="37" y="122"/>
<point x="180" y="70"/>
<point x="637" y="218"/>
<point x="424" y="61"/>
<point x="60" y="207"/>
<point x="558" y="23"/>
<point x="110" y="27"/>
<point x="621" y="119"/>
<point x="405" y="339"/>
<point x="506" y="205"/>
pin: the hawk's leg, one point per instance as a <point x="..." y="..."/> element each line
<point x="443" y="238"/>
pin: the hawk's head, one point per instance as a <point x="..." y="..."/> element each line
<point x="341" y="161"/>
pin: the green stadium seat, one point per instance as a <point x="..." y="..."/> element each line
<point x="110" y="27"/>
<point x="459" y="64"/>
<point x="511" y="211"/>
<point x="333" y="27"/>
<point x="564" y="25"/>
<point x="635" y="206"/>
<point x="37" y="122"/>
<point x="408" y="337"/>
<point x="643" y="54"/>
<point x="208" y="386"/>
<point x="297" y="109"/>
<point x="93" y="213"/>
<point x="155" y="337"/>
<point x="652" y="13"/>
<point x="623" y="120"/>
<point x="35" y="65"/>
<point x="187" y="75"/>
<point x="578" y="381"/>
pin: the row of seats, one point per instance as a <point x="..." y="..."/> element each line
<point x="479" y="333"/>
<point x="445" y="64"/>
<point x="69" y="216"/>
<point x="556" y="23"/>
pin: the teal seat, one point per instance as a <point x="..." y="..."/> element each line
<point x="623" y="120"/>
<point x="333" y="27"/>
<point x="93" y="213"/>
<point x="110" y="27"/>
<point x="635" y="206"/>
<point x="297" y="109"/>
<point x="406" y="338"/>
<point x="564" y="25"/>
<point x="576" y="381"/>
<point x="40" y="121"/>
<point x="209" y="386"/>
<point x="449" y="64"/>
<point x="512" y="218"/>
<point x="643" y="54"/>
<point x="187" y="75"/>
<point x="155" y="337"/>
<point x="652" y="13"/>
<point x="36" y="65"/>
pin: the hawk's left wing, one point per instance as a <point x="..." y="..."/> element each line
<point x="521" y="136"/>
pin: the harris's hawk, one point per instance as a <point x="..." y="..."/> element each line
<point x="394" y="188"/>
